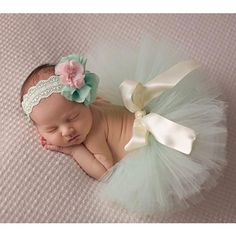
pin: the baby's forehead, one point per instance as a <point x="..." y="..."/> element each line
<point x="57" y="100"/>
<point x="52" y="108"/>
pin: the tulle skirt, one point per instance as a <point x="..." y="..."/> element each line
<point x="156" y="179"/>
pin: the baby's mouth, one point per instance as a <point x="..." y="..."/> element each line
<point x="74" y="138"/>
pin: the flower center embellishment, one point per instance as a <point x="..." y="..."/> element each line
<point x="71" y="73"/>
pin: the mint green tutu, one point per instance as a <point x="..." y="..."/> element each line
<point x="156" y="179"/>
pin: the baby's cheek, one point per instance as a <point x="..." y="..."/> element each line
<point x="53" y="139"/>
<point x="88" y="124"/>
<point x="45" y="138"/>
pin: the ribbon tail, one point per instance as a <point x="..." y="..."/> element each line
<point x="136" y="96"/>
<point x="168" y="79"/>
<point x="169" y="133"/>
<point x="139" y="136"/>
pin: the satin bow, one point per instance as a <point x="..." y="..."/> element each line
<point x="136" y="96"/>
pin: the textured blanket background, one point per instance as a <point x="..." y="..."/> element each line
<point x="41" y="186"/>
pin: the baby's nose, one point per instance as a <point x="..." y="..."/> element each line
<point x="68" y="131"/>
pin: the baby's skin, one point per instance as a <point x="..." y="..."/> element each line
<point x="94" y="136"/>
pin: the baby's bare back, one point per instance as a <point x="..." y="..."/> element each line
<point x="113" y="124"/>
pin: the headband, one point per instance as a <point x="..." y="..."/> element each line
<point x="71" y="80"/>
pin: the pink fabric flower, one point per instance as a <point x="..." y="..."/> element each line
<point x="71" y="73"/>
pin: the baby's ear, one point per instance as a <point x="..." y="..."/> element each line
<point x="42" y="140"/>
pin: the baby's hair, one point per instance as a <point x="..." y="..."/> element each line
<point x="42" y="72"/>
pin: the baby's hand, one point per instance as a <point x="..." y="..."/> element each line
<point x="81" y="155"/>
<point x="65" y="150"/>
<point x="47" y="146"/>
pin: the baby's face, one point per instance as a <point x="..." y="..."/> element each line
<point x="62" y="122"/>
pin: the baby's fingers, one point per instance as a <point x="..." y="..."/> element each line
<point x="42" y="140"/>
<point x="53" y="148"/>
<point x="58" y="149"/>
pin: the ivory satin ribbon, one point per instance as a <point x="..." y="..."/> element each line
<point x="136" y="96"/>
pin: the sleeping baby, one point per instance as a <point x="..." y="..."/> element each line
<point x="93" y="134"/>
<point x="152" y="154"/>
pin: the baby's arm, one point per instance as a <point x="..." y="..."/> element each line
<point x="98" y="146"/>
<point x="105" y="157"/>
<point x="88" y="163"/>
<point x="83" y="157"/>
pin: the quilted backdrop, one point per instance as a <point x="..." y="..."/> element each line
<point x="42" y="186"/>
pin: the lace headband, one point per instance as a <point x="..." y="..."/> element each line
<point x="70" y="80"/>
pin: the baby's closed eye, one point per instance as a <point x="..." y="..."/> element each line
<point x="51" y="130"/>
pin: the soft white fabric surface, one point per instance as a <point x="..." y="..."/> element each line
<point x="41" y="186"/>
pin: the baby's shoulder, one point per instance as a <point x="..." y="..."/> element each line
<point x="105" y="116"/>
<point x="108" y="110"/>
<point x="99" y="129"/>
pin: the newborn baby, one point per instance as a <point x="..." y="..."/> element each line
<point x="154" y="154"/>
<point x="94" y="135"/>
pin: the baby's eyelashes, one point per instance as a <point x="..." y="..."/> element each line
<point x="51" y="130"/>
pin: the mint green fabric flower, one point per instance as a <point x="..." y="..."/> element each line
<point x="86" y="94"/>
<point x="73" y="57"/>
<point x="79" y="85"/>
